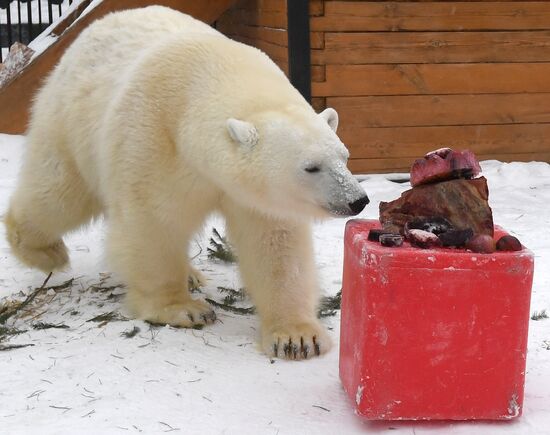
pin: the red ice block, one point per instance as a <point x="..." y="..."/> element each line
<point x="433" y="333"/>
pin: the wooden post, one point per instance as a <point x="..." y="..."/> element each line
<point x="299" y="58"/>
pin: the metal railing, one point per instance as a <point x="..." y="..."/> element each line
<point x="24" y="20"/>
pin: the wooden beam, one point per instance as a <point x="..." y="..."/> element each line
<point x="412" y="142"/>
<point x="376" y="16"/>
<point x="433" y="47"/>
<point x="299" y="47"/>
<point x="16" y="96"/>
<point x="430" y="110"/>
<point x="432" y="79"/>
<point x="403" y="164"/>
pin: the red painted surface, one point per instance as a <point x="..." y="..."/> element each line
<point x="433" y="333"/>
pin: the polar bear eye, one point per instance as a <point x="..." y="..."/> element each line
<point x="313" y="169"/>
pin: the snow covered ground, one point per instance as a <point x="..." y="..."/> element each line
<point x="90" y="379"/>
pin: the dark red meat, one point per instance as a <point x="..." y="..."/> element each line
<point x="463" y="203"/>
<point x="444" y="164"/>
<point x="376" y="233"/>
<point x="509" y="243"/>
<point x="481" y="243"/>
<point x="391" y="240"/>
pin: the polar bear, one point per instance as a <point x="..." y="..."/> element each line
<point x="157" y="120"/>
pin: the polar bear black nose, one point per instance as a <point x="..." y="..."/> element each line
<point x="358" y="206"/>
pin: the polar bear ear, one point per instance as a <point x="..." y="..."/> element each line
<point x="331" y="117"/>
<point x="242" y="132"/>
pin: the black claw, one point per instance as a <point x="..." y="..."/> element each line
<point x="209" y="317"/>
<point x="316" y="346"/>
<point x="295" y="351"/>
<point x="191" y="317"/>
<point x="276" y="346"/>
<point x="288" y="348"/>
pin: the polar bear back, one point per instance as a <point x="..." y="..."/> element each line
<point x="136" y="64"/>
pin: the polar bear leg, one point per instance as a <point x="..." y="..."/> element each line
<point x="154" y="265"/>
<point x="196" y="278"/>
<point x="50" y="200"/>
<point x="277" y="267"/>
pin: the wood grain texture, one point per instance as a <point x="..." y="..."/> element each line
<point x="401" y="111"/>
<point x="412" y="142"/>
<point x="428" y="79"/>
<point x="266" y="34"/>
<point x="433" y="47"/>
<point x="261" y="5"/>
<point x="317" y="74"/>
<point x="15" y="98"/>
<point x="278" y="53"/>
<point x="356" y="16"/>
<point x="403" y="164"/>
<point x="316" y="8"/>
<point x="275" y="19"/>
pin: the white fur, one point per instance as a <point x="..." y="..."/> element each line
<point x="157" y="120"/>
<point x="331" y="117"/>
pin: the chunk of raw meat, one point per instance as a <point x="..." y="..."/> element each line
<point x="509" y="243"/>
<point x="444" y="164"/>
<point x="463" y="203"/>
<point x="435" y="224"/>
<point x="456" y="238"/>
<point x="422" y="239"/>
<point x="481" y="243"/>
<point x="389" y="240"/>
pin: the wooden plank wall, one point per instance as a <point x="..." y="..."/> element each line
<point x="260" y="23"/>
<point x="410" y="76"/>
<point x="16" y="96"/>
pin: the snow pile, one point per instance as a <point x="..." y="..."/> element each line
<point x="87" y="369"/>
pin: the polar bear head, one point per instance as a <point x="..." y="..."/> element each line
<point x="293" y="163"/>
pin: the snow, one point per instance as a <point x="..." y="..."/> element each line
<point x="88" y="379"/>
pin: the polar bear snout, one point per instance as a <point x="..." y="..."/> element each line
<point x="357" y="206"/>
<point x="351" y="209"/>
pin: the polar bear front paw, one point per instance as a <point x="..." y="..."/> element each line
<point x="296" y="341"/>
<point x="196" y="278"/>
<point x="190" y="314"/>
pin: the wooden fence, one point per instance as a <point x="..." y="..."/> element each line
<point x="410" y="76"/>
<point x="405" y="76"/>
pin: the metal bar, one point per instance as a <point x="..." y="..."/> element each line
<point x="299" y="52"/>
<point x="59" y="9"/>
<point x="1" y="46"/>
<point x="40" y="15"/>
<point x="19" y="33"/>
<point x="29" y="20"/>
<point x="1" y="38"/>
<point x="10" y="35"/>
<point x="50" y="11"/>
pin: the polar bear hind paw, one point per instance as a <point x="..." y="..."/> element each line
<point x="26" y="246"/>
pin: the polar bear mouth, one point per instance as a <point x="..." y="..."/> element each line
<point x="339" y="211"/>
<point x="351" y="209"/>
